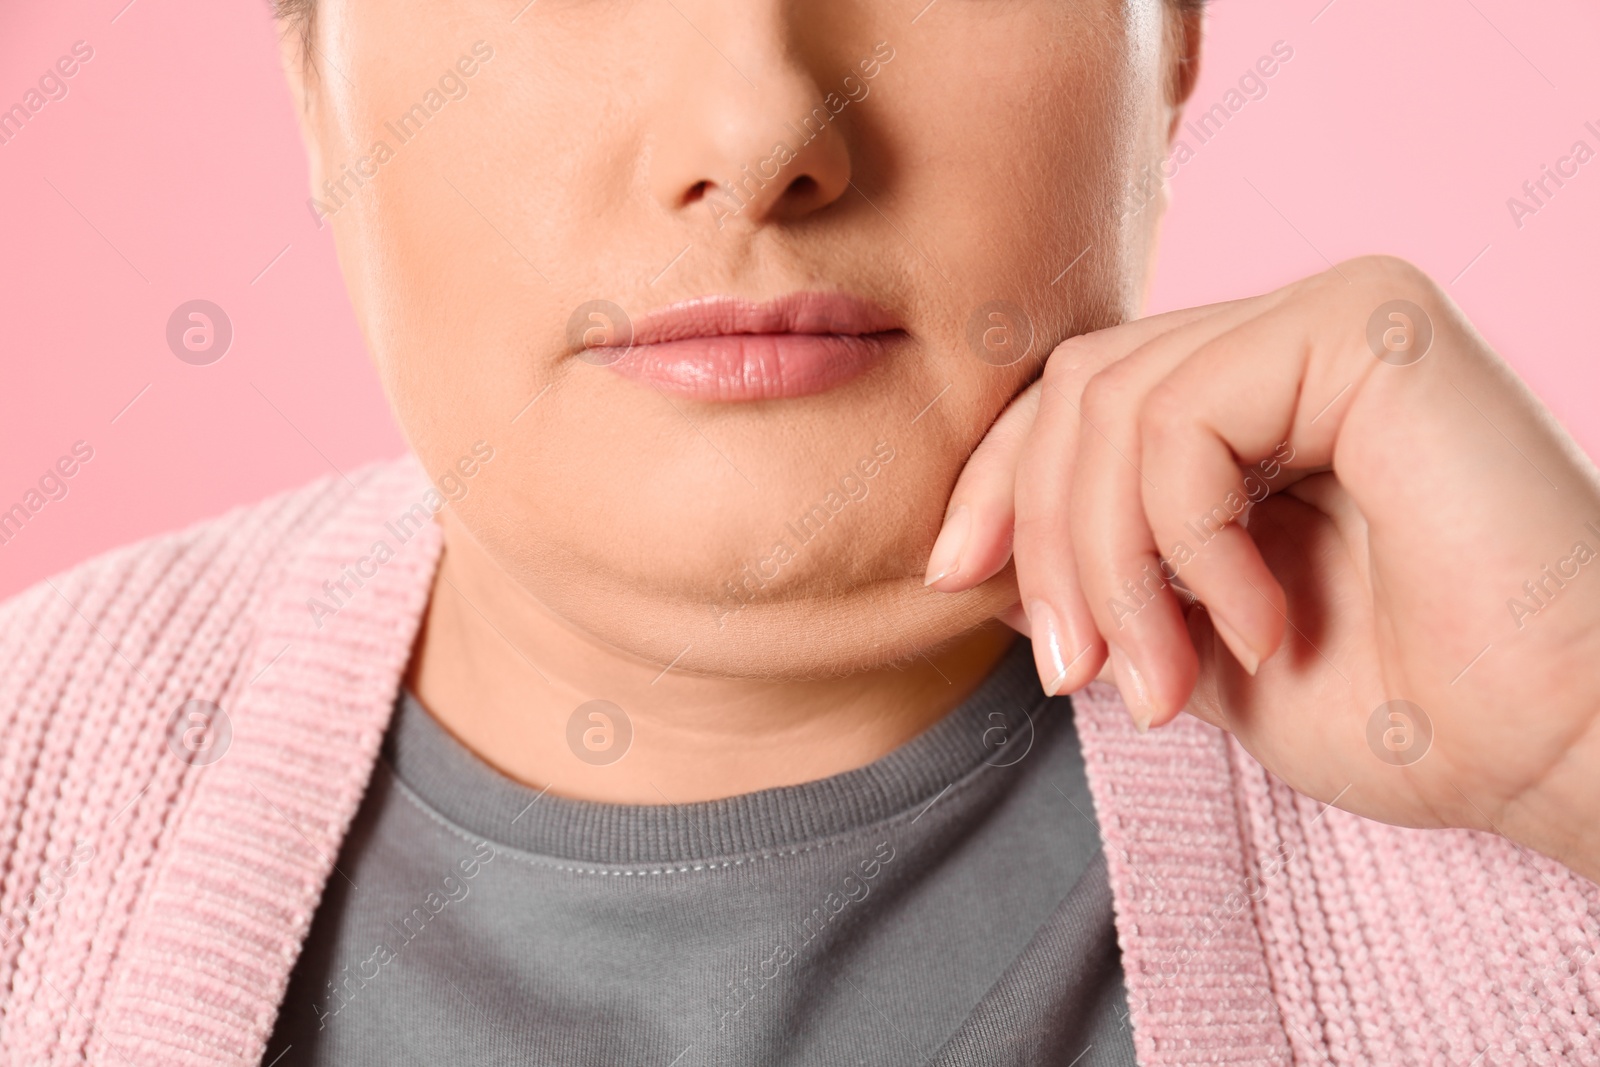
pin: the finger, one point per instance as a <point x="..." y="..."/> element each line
<point x="1125" y="579"/>
<point x="1326" y="494"/>
<point x="1206" y="702"/>
<point x="1220" y="431"/>
<point x="974" y="542"/>
<point x="1067" y="647"/>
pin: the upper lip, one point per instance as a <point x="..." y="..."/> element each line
<point x="792" y="313"/>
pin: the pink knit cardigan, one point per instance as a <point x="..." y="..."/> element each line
<point x="153" y="905"/>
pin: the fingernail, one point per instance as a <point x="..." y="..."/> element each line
<point x="1046" y="631"/>
<point x="1236" y="644"/>
<point x="945" y="559"/>
<point x="1134" y="691"/>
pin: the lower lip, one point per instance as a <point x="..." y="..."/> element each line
<point x="750" y="366"/>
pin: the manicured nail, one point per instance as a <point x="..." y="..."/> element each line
<point x="945" y="559"/>
<point x="1046" y="630"/>
<point x="1134" y="691"/>
<point x="1236" y="644"/>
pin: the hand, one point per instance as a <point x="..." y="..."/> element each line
<point x="1367" y="507"/>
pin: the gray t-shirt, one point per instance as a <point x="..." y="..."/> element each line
<point x="946" y="904"/>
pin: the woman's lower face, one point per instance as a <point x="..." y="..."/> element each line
<point x="840" y="240"/>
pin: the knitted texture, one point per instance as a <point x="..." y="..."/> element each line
<point x="1261" y="926"/>
<point x="154" y="903"/>
<point x="153" y="897"/>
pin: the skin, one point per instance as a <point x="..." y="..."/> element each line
<point x="1420" y="498"/>
<point x="588" y="559"/>
<point x="593" y="551"/>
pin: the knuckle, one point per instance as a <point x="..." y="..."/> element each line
<point x="1162" y="415"/>
<point x="1382" y="263"/>
<point x="1074" y="360"/>
<point x="1038" y="525"/>
<point x="1386" y="277"/>
<point x="1165" y="402"/>
<point x="1074" y="350"/>
<point x="1039" y="499"/>
<point x="1103" y="396"/>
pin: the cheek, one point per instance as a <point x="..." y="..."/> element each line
<point x="476" y="230"/>
<point x="1039" y="225"/>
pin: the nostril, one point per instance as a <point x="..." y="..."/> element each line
<point x="696" y="193"/>
<point x="803" y="187"/>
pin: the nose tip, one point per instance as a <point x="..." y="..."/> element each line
<point x="787" y="183"/>
<point x="745" y="154"/>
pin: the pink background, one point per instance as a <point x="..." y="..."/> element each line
<point x="172" y="170"/>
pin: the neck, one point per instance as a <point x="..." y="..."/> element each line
<point x="507" y="678"/>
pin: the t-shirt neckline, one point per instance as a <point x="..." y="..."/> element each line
<point x="992" y="730"/>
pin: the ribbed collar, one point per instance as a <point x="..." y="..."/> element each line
<point x="990" y="730"/>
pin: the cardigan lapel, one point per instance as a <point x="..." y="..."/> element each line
<point x="245" y="860"/>
<point x="1186" y="895"/>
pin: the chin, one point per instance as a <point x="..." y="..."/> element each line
<point x="846" y="631"/>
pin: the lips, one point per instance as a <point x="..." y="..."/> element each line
<point x="727" y="349"/>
